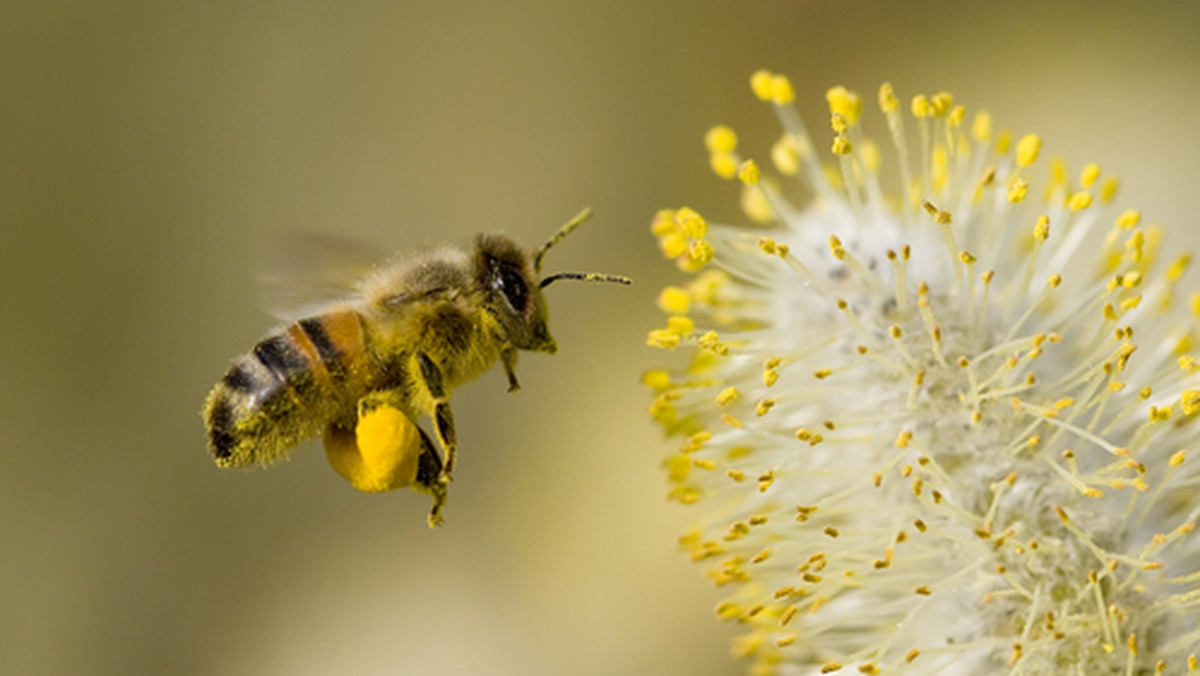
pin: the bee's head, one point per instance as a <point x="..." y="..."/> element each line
<point x="510" y="278"/>
<point x="513" y="296"/>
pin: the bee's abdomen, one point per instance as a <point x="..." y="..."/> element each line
<point x="286" y="389"/>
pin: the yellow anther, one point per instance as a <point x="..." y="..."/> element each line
<point x="763" y="407"/>
<point x="839" y="123"/>
<point x="704" y="464"/>
<point x="674" y="300"/>
<point x="673" y="245"/>
<point x="657" y="379"/>
<point x="981" y="127"/>
<point x="1080" y="201"/>
<point x="887" y="98"/>
<point x="1004" y="142"/>
<point x="921" y="107"/>
<point x="663" y="222"/>
<point x="727" y="395"/>
<point x="955" y="117"/>
<point x="1131" y="279"/>
<point x="841" y="146"/>
<point x="1041" y="230"/>
<point x="785" y="156"/>
<point x="1017" y="190"/>
<point x="903" y="439"/>
<point x="822" y="374"/>
<point x="724" y="165"/>
<point x="720" y="139"/>
<point x="760" y="83"/>
<point x="664" y="338"/>
<point x="680" y="325"/>
<point x="748" y="173"/>
<point x="1129" y="218"/>
<point x="939" y="216"/>
<point x="770" y="377"/>
<point x="941" y="103"/>
<point x="1089" y="175"/>
<point x="1027" y="150"/>
<point x="966" y="257"/>
<point x="782" y="92"/>
<point x="1190" y="401"/>
<point x="845" y="103"/>
<point x="691" y="224"/>
<point x="835" y="247"/>
<point x="755" y="204"/>
<point x="1054" y="281"/>
<point x="767" y="245"/>
<point x="1176" y="269"/>
<point x="1177" y="459"/>
<point x="700" y="251"/>
<point x="1109" y="190"/>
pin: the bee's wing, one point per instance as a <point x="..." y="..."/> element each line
<point x="306" y="272"/>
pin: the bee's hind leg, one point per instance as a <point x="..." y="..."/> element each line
<point x="443" y="418"/>
<point x="428" y="480"/>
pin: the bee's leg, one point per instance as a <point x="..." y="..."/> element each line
<point x="509" y="356"/>
<point x="428" y="480"/>
<point x="443" y="418"/>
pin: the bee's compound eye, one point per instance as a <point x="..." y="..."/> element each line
<point x="509" y="280"/>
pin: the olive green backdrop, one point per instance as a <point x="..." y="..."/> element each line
<point x="152" y="154"/>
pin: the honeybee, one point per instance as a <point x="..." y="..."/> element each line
<point x="363" y="371"/>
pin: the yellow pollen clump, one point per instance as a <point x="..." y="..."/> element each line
<point x="1089" y="175"/>
<point x="841" y="146"/>
<point x="1027" y="150"/>
<point x="384" y="453"/>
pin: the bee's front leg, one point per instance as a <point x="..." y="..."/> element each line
<point x="509" y="356"/>
<point x="443" y="418"/>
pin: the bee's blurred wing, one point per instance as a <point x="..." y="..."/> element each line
<point x="306" y="272"/>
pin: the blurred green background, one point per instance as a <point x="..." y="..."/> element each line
<point x="152" y="153"/>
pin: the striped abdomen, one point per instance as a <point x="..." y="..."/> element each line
<point x="287" y="389"/>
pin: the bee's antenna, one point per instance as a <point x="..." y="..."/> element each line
<point x="557" y="237"/>
<point x="585" y="277"/>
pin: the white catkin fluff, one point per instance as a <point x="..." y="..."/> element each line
<point x="945" y="432"/>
